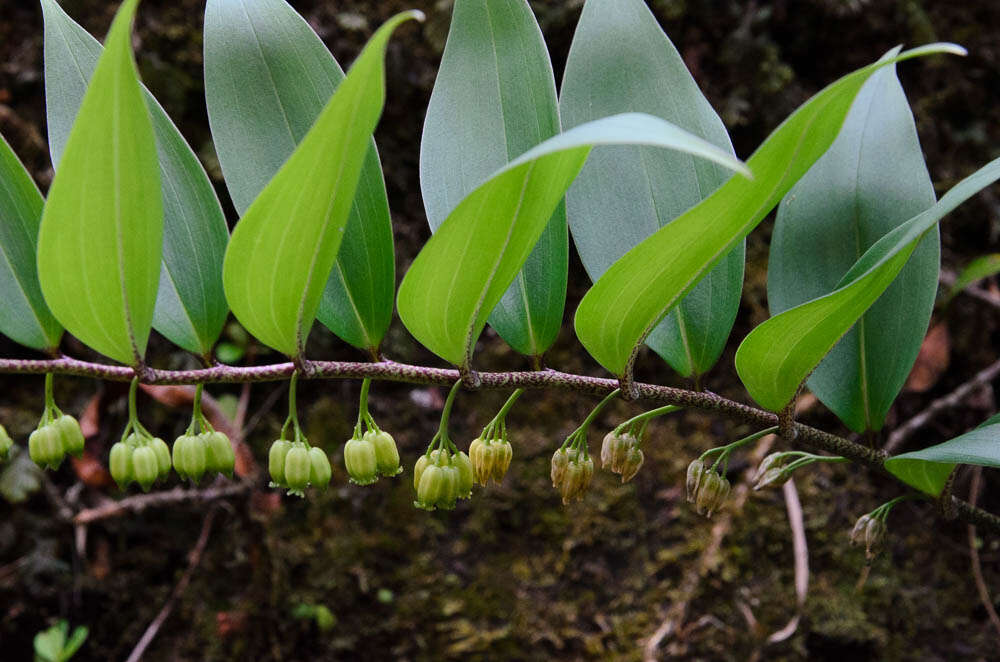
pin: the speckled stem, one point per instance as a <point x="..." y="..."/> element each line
<point x="386" y="370"/>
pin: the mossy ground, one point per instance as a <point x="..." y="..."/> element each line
<point x="512" y="574"/>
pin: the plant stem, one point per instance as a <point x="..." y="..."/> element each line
<point x="293" y="413"/>
<point x="645" y="416"/>
<point x="442" y="434"/>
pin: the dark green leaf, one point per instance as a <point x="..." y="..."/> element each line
<point x="24" y="316"/>
<point x="101" y="235"/>
<point x="871" y="180"/>
<point x="927" y="470"/>
<point x="780" y="353"/>
<point x="283" y="249"/>
<point x="495" y="98"/>
<point x="621" y="61"/>
<point x="638" y="290"/>
<point x="267" y="77"/>
<point x="464" y="269"/>
<point x="190" y="305"/>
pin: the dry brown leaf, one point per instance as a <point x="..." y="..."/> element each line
<point x="932" y="361"/>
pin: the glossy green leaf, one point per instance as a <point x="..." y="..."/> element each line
<point x="24" y="316"/>
<point x="101" y="235"/>
<point x="980" y="268"/>
<point x="927" y="470"/>
<point x="267" y="78"/>
<point x="283" y="249"/>
<point x="871" y="180"/>
<point x="190" y="305"/>
<point x="463" y="271"/>
<point x="780" y="353"/>
<point x="638" y="290"/>
<point x="495" y="98"/>
<point x="621" y="61"/>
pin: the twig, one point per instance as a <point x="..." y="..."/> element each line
<point x="194" y="558"/>
<point x="977" y="567"/>
<point x="140" y="502"/>
<point x="945" y="402"/>
<point x="948" y="278"/>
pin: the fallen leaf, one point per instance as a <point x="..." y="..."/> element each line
<point x="932" y="361"/>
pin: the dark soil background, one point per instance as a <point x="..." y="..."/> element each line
<point x="512" y="574"/>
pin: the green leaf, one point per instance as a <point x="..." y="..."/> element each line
<point x="871" y="180"/>
<point x="621" y="61"/>
<point x="190" y="305"/>
<point x="74" y="642"/>
<point x="495" y="98"/>
<point x="267" y="78"/>
<point x="927" y="470"/>
<point x="632" y="296"/>
<point x="101" y="236"/>
<point x="780" y="353"/>
<point x="980" y="268"/>
<point x="24" y="317"/>
<point x="283" y="249"/>
<point x="463" y="271"/>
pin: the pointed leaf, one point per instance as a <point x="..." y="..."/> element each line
<point x="283" y="249"/>
<point x="639" y="289"/>
<point x="102" y="228"/>
<point x="780" y="353"/>
<point x="927" y="470"/>
<point x="872" y="179"/>
<point x="621" y="61"/>
<point x="24" y="317"/>
<point x="267" y="77"/>
<point x="495" y="98"/>
<point x="190" y="305"/>
<point x="980" y="268"/>
<point x="463" y="271"/>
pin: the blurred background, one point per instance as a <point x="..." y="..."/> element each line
<point x="631" y="572"/>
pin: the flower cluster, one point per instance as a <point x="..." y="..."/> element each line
<point x="441" y="477"/>
<point x="706" y="488"/>
<point x="141" y="458"/>
<point x="621" y="453"/>
<point x="55" y="437"/>
<point x="572" y="469"/>
<point x="295" y="465"/>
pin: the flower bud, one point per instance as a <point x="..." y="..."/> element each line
<point x="276" y="461"/>
<point x="5" y="443"/>
<point x="45" y="446"/>
<point x="772" y="461"/>
<point x="773" y="477"/>
<point x="633" y="461"/>
<point x="712" y="493"/>
<point x="433" y="483"/>
<point x="120" y="464"/>
<point x="219" y="456"/>
<point x="463" y="465"/>
<point x="386" y="453"/>
<point x="71" y="434"/>
<point x="423" y="462"/>
<point x="361" y="461"/>
<point x="297" y="469"/>
<point x="875" y="534"/>
<point x="162" y="452"/>
<point x="560" y="463"/>
<point x="145" y="467"/>
<point x="449" y="495"/>
<point x="319" y="468"/>
<point x="576" y="480"/>
<point x="481" y="455"/>
<point x="190" y="457"/>
<point x="696" y="470"/>
<point x="503" y="454"/>
<point x="858" y="532"/>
